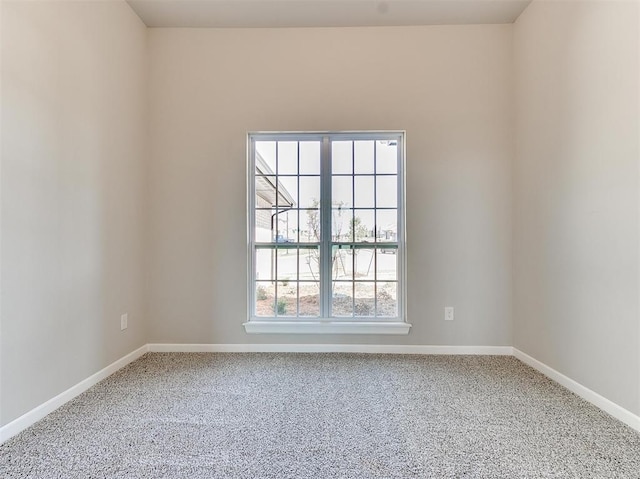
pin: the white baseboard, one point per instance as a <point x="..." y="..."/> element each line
<point x="330" y="348"/>
<point x="31" y="417"/>
<point x="620" y="413"/>
<point x="51" y="405"/>
<point x="326" y="327"/>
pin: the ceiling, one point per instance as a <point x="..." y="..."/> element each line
<point x="324" y="13"/>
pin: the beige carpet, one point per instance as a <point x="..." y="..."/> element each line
<point x="324" y="416"/>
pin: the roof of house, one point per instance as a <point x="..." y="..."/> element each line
<point x="268" y="188"/>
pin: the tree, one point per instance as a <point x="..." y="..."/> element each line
<point x="360" y="230"/>
<point x="314" y="233"/>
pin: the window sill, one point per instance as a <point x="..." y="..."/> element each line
<point x="326" y="327"/>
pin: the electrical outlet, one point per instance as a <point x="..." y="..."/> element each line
<point x="124" y="320"/>
<point x="448" y="313"/>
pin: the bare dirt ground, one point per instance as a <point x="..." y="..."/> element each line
<point x="309" y="302"/>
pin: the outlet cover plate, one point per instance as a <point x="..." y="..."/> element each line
<point x="448" y="313"/>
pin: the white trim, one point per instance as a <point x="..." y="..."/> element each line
<point x="31" y="417"/>
<point x="332" y="348"/>
<point x="37" y="413"/>
<point x="638" y="146"/>
<point x="618" y="412"/>
<point x="326" y="327"/>
<point x="1" y="236"/>
<point x="325" y="243"/>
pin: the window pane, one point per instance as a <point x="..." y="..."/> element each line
<point x="287" y="265"/>
<point x="309" y="264"/>
<point x="287" y="158"/>
<point x="387" y="299"/>
<point x="287" y="191"/>
<point x="309" y="157"/>
<point x="265" y="298"/>
<point x="342" y="299"/>
<point x="265" y="264"/>
<point x="364" y="192"/>
<point x="309" y="191"/>
<point x="387" y="264"/>
<point x="287" y="300"/>
<point x="342" y="263"/>
<point x="342" y="191"/>
<point x="262" y="232"/>
<point x="364" y="299"/>
<point x="364" y="157"/>
<point x="341" y="218"/>
<point x="285" y="226"/>
<point x="265" y="157"/>
<point x="309" y="299"/>
<point x="310" y="226"/>
<point x="387" y="225"/>
<point x="364" y="263"/>
<point x="341" y="157"/>
<point x="363" y="225"/>
<point x="265" y="191"/>
<point x="386" y="157"/>
<point x="386" y="191"/>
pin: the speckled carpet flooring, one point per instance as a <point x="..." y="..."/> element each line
<point x="324" y="416"/>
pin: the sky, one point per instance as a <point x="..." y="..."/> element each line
<point x="353" y="180"/>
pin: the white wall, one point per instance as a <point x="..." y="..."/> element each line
<point x="576" y="193"/>
<point x="74" y="90"/>
<point x="449" y="87"/>
<point x="74" y="135"/>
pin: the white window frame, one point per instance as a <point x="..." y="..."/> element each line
<point x="327" y="325"/>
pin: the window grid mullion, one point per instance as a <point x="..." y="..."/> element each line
<point x="352" y="226"/>
<point x="375" y="230"/>
<point x="400" y="283"/>
<point x="326" y="288"/>
<point x="297" y="234"/>
<point x="274" y="235"/>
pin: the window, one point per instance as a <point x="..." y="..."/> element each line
<point x="326" y="228"/>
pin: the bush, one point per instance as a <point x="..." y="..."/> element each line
<point x="364" y="309"/>
<point x="281" y="306"/>
<point x="384" y="295"/>
<point x="261" y="293"/>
